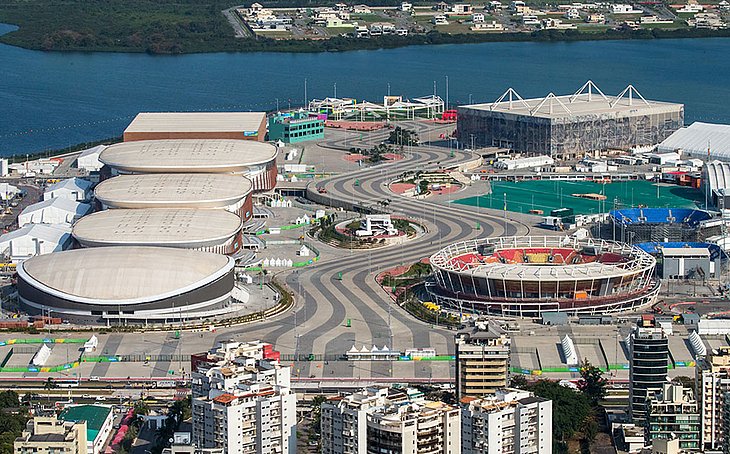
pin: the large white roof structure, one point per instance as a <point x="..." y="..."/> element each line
<point x="123" y="274"/>
<point x="155" y="122"/>
<point x="177" y="227"/>
<point x="588" y="100"/>
<point x="345" y="108"/>
<point x="53" y="211"/>
<point x="35" y="239"/>
<point x="716" y="176"/>
<point x="188" y="155"/>
<point x="73" y="188"/>
<point x="173" y="190"/>
<point x="696" y="139"/>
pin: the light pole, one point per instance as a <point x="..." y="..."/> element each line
<point x="504" y="213"/>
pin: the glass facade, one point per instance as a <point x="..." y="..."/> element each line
<point x="568" y="136"/>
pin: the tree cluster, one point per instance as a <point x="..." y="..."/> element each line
<point x="403" y="137"/>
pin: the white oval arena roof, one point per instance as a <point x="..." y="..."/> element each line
<point x="186" y="227"/>
<point x="188" y="155"/>
<point x="200" y="190"/>
<point x="123" y="274"/>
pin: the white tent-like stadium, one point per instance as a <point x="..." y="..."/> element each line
<point x="695" y="140"/>
<point x="53" y="211"/>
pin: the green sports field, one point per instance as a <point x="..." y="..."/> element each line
<point x="549" y="195"/>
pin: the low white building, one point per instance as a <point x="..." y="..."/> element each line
<point x="524" y="163"/>
<point x="53" y="211"/>
<point x="74" y="188"/>
<point x="477" y="18"/>
<point x="8" y="191"/>
<point x="361" y="9"/>
<point x="37" y="167"/>
<point x="35" y="239"/>
<point x="622" y="8"/>
<point x="89" y="159"/>
<point x="691" y="8"/>
<point x="377" y="224"/>
<point x="572" y="14"/>
<point x="492" y="26"/>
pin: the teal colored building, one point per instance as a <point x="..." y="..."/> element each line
<point x="296" y="127"/>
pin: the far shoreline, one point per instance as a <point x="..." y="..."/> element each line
<point x="341" y="44"/>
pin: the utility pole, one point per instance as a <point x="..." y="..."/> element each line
<point x="447" y="92"/>
<point x="504" y="213"/>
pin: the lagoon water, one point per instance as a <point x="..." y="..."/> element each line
<point x="50" y="100"/>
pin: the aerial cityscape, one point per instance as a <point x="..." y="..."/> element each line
<point x="489" y="238"/>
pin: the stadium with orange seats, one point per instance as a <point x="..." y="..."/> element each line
<point x="523" y="277"/>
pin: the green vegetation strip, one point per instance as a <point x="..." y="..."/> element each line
<point x="42" y="341"/>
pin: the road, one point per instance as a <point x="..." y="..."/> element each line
<point x="238" y="26"/>
<point x="318" y="324"/>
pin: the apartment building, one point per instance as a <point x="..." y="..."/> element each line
<point x="344" y="419"/>
<point x="713" y="382"/>
<point x="482" y="359"/>
<point x="386" y="420"/>
<point x="242" y="400"/>
<point x="511" y="421"/>
<point x="48" y="435"/>
<point x="674" y="412"/>
<point x="648" y="359"/>
<point x="414" y="428"/>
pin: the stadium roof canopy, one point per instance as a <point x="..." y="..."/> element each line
<point x="156" y="226"/>
<point x="123" y="274"/>
<point x="196" y="122"/>
<point x="588" y="100"/>
<point x="697" y="138"/>
<point x="198" y="190"/>
<point x="187" y="155"/>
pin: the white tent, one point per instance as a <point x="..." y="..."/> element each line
<point x="74" y="188"/>
<point x="695" y="140"/>
<point x="89" y="159"/>
<point x="53" y="211"/>
<point x="8" y="191"/>
<point x="35" y="239"/>
<point x="571" y="357"/>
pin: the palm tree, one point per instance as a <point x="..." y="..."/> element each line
<point x="48" y="386"/>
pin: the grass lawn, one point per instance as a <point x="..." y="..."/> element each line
<point x="366" y="17"/>
<point x="593" y="28"/>
<point x="334" y="31"/>
<point x="454" y="27"/>
<point x="275" y="34"/>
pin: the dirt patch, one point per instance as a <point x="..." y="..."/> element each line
<point x="355" y="157"/>
<point x="446" y="190"/>
<point x="400" y="188"/>
<point x="355" y="125"/>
